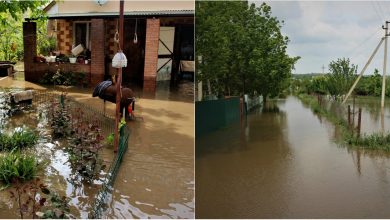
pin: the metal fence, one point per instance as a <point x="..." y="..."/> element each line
<point x="106" y="123"/>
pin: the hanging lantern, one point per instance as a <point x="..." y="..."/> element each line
<point x="119" y="60"/>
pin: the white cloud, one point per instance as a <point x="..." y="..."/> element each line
<point x="324" y="31"/>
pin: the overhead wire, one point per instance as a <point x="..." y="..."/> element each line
<point x="380" y="10"/>
<point x="376" y="11"/>
<point x="353" y="51"/>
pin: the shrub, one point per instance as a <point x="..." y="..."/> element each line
<point x="64" y="78"/>
<point x="84" y="146"/>
<point x="17" y="167"/>
<point x="60" y="118"/>
<point x="19" y="139"/>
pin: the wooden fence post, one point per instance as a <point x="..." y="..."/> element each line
<point x="359" y="121"/>
<point x="349" y="115"/>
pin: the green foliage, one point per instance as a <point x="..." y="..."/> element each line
<point x="11" y="31"/>
<point x="64" y="78"/>
<point x="17" y="8"/>
<point x="373" y="141"/>
<point x="60" y="118"/>
<point x="19" y="139"/>
<point x="341" y="77"/>
<point x="35" y="200"/>
<point x="46" y="44"/>
<point x="17" y="167"/>
<point x="370" y="85"/>
<point x="110" y="139"/>
<point x="242" y="49"/>
<point x="84" y="146"/>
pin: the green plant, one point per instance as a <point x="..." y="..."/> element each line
<point x="17" y="167"/>
<point x="34" y="199"/>
<point x="110" y="139"/>
<point x="60" y="118"/>
<point x="64" y="78"/>
<point x="19" y="139"/>
<point x="84" y="146"/>
<point x="47" y="45"/>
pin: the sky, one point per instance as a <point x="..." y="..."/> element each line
<point x="321" y="32"/>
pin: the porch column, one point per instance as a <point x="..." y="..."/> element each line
<point x="97" y="51"/>
<point x="151" y="54"/>
<point x="30" y="49"/>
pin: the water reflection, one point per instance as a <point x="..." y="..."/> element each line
<point x="288" y="166"/>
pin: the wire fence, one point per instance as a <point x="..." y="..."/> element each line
<point x="350" y="115"/>
<point x="106" y="123"/>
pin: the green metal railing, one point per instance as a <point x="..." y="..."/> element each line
<point x="102" y="196"/>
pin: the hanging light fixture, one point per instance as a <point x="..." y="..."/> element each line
<point x="119" y="59"/>
<point x="135" y="32"/>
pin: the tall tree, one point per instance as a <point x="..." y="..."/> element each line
<point x="242" y="49"/>
<point x="341" y="77"/>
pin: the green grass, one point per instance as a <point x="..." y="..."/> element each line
<point x="375" y="141"/>
<point x="17" y="140"/>
<point x="15" y="166"/>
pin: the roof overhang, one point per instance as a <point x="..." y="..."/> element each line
<point x="168" y="13"/>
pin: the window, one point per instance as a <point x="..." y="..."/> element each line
<point x="81" y="34"/>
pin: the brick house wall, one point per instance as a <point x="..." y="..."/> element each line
<point x="151" y="54"/>
<point x="97" y="51"/>
<point x="64" y="36"/>
<point x="34" y="71"/>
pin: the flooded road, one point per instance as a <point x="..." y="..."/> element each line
<point x="284" y="164"/>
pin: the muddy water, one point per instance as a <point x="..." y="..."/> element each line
<point x="57" y="173"/>
<point x="284" y="164"/>
<point x="371" y="114"/>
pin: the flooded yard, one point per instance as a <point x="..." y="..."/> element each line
<point x="156" y="177"/>
<point x="284" y="163"/>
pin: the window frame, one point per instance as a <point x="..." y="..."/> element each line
<point x="88" y="24"/>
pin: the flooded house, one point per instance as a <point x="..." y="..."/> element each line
<point x="158" y="41"/>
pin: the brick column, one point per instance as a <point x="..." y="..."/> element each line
<point x="30" y="49"/>
<point x="151" y="54"/>
<point x="97" y="51"/>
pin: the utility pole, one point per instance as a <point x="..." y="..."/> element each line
<point x="386" y="27"/>
<point x="323" y="68"/>
<point x="364" y="69"/>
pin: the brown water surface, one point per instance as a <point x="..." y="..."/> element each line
<point x="284" y="163"/>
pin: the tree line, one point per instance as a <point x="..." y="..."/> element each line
<point x="240" y="49"/>
<point x="342" y="74"/>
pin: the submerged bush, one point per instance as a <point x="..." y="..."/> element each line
<point x="17" y="167"/>
<point x="19" y="139"/>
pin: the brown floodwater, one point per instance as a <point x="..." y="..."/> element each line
<point x="285" y="163"/>
<point x="156" y="177"/>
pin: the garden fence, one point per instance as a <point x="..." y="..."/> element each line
<point x="106" y="123"/>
